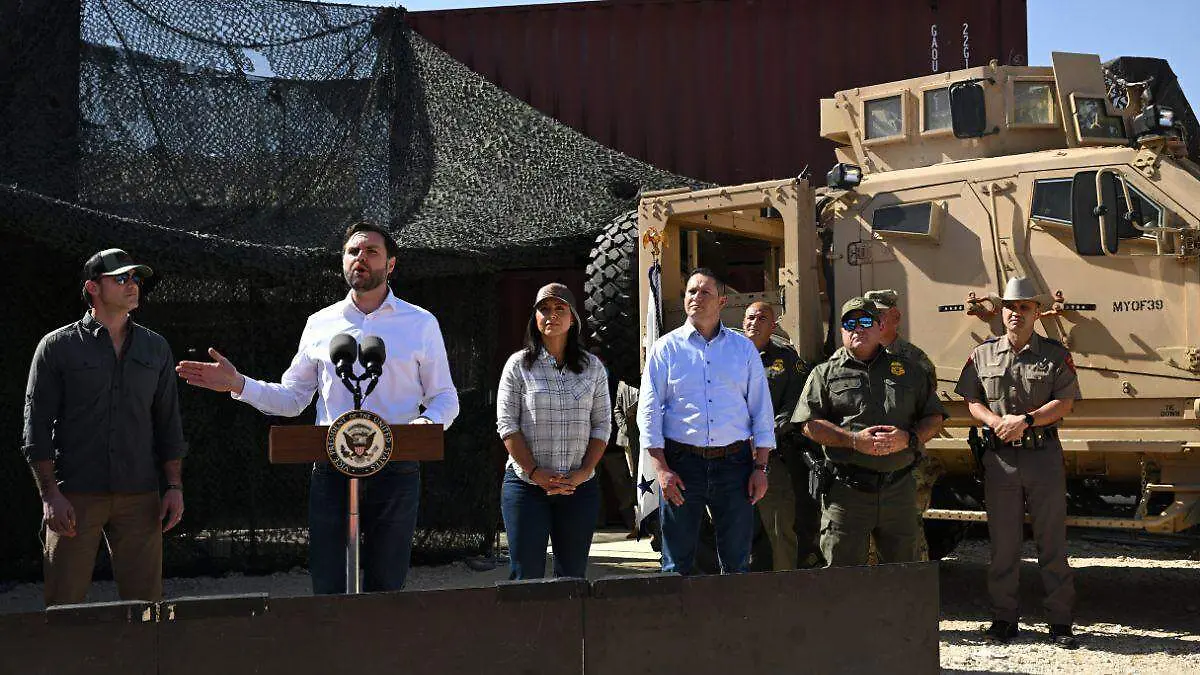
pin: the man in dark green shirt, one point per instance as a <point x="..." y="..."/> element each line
<point x="101" y="420"/>
<point x="790" y="516"/>
<point x="870" y="410"/>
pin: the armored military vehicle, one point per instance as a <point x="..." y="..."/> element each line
<point x="1081" y="176"/>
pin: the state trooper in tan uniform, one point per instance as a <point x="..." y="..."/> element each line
<point x="870" y="410"/>
<point x="1019" y="385"/>
<point x="928" y="469"/>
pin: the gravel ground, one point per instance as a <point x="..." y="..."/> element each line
<point x="1138" y="609"/>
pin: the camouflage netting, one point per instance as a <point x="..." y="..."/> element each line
<point x="228" y="144"/>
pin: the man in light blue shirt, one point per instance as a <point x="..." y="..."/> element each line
<point x="706" y="417"/>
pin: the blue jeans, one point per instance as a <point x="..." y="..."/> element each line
<point x="531" y="517"/>
<point x="387" y="507"/>
<point x="720" y="485"/>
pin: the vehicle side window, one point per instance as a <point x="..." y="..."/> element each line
<point x="1144" y="211"/>
<point x="909" y="218"/>
<point x="1052" y="202"/>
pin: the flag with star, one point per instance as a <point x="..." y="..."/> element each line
<point x="648" y="489"/>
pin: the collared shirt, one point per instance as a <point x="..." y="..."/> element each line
<point x="704" y="392"/>
<point x="108" y="423"/>
<point x="854" y="395"/>
<point x="415" y="371"/>
<point x="557" y="410"/>
<point x="786" y="373"/>
<point x="1015" y="383"/>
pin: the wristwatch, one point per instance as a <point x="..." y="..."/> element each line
<point x="174" y="486"/>
<point x="1028" y="419"/>
<point x="766" y="469"/>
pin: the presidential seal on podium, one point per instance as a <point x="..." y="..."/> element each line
<point x="359" y="443"/>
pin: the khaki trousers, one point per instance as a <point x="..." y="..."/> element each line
<point x="1013" y="478"/>
<point x="130" y="524"/>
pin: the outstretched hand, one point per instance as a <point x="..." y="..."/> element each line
<point x="217" y="375"/>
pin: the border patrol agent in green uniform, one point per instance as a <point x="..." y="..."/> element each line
<point x="789" y="514"/>
<point x="1019" y="385"/>
<point x="887" y="301"/>
<point x="870" y="410"/>
<point x="928" y="469"/>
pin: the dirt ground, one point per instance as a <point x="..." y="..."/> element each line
<point x="1138" y="608"/>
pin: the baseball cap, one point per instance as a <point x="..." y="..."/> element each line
<point x="860" y="304"/>
<point x="111" y="262"/>
<point x="560" y="292"/>
<point x="884" y="298"/>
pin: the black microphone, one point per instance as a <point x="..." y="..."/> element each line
<point x="372" y="355"/>
<point x="342" y="351"/>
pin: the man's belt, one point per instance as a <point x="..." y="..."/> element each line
<point x="709" y="451"/>
<point x="866" y="480"/>
<point x="1034" y="438"/>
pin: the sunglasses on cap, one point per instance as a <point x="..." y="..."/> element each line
<point x="126" y="277"/>
<point x="860" y="322"/>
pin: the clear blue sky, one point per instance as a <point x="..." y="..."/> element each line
<point x="1165" y="29"/>
<point x="1112" y="28"/>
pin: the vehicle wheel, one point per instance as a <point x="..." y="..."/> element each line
<point x="611" y="299"/>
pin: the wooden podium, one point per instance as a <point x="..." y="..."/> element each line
<point x="302" y="444"/>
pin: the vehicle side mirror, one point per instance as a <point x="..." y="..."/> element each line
<point x="1092" y="209"/>
<point x="968" y="110"/>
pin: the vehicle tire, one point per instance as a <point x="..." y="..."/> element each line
<point x="943" y="536"/>
<point x="611" y="299"/>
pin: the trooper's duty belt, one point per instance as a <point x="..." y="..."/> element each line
<point x="1034" y="438"/>
<point x="709" y="451"/>
<point x="866" y="480"/>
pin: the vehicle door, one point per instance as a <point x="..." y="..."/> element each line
<point x="931" y="244"/>
<point x="1128" y="317"/>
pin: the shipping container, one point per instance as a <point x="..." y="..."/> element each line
<point x="721" y="90"/>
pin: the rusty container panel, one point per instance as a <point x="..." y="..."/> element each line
<point x="722" y="90"/>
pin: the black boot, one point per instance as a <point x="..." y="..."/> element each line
<point x="1061" y="635"/>
<point x="1001" y="632"/>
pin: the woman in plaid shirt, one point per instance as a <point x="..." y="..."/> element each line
<point x="553" y="413"/>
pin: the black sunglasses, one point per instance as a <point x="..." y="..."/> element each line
<point x="126" y="277"/>
<point x="862" y="321"/>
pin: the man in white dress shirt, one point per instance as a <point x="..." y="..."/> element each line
<point x="415" y="388"/>
<point x="706" y="418"/>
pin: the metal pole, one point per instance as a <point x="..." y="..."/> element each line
<point x="352" y="542"/>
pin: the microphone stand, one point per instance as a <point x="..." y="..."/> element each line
<point x="353" y="533"/>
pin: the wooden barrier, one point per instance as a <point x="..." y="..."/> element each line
<point x="863" y="619"/>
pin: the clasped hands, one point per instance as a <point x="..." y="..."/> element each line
<point x="1010" y="428"/>
<point x="881" y="439"/>
<point x="555" y="483"/>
